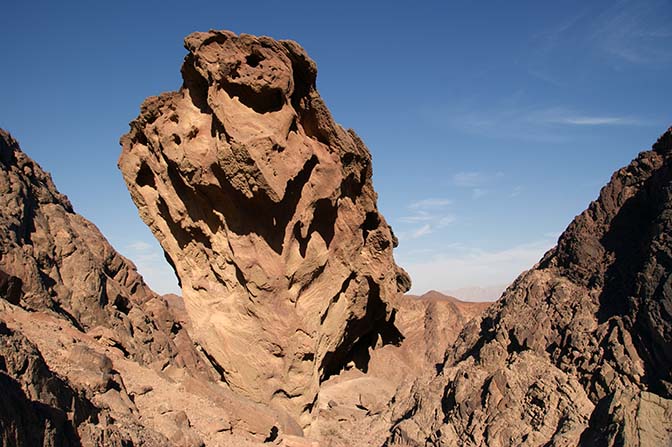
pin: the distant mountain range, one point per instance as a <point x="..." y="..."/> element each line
<point x="489" y="293"/>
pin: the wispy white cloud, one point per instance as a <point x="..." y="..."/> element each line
<point x="477" y="193"/>
<point x="469" y="179"/>
<point x="466" y="267"/>
<point x="476" y="181"/>
<point x="625" y="31"/>
<point x="516" y="118"/>
<point x="430" y="203"/>
<point x="567" y="117"/>
<point x="139" y="246"/>
<point x="428" y="223"/>
<point x="596" y="120"/>
<point x="635" y="32"/>
<point x="422" y="231"/>
<point x="445" y="221"/>
<point x="427" y="215"/>
<point x="419" y="216"/>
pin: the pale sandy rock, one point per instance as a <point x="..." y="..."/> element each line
<point x="266" y="209"/>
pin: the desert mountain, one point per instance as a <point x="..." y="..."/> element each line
<point x="578" y="351"/>
<point x="293" y="329"/>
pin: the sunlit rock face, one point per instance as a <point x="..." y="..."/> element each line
<point x="77" y="323"/>
<point x="578" y="350"/>
<point x="265" y="208"/>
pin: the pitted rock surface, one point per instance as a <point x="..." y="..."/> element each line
<point x="266" y="210"/>
<point x="52" y="259"/>
<point x="89" y="355"/>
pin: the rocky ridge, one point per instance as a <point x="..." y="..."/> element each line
<point x="89" y="355"/>
<point x="295" y="332"/>
<point x="73" y="376"/>
<point x="357" y="407"/>
<point x="578" y="350"/>
<point x="266" y="210"/>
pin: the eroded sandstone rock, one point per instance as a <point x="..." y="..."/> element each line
<point x="266" y="210"/>
<point x="88" y="354"/>
<point x="52" y="259"/>
<point x="578" y="351"/>
<point x="359" y="407"/>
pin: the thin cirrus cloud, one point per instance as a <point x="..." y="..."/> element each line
<point x="635" y="32"/>
<point x="514" y="118"/>
<point x="621" y="33"/>
<point x="466" y="267"/>
<point x="469" y="179"/>
<point x="430" y="203"/>
<point x="476" y="182"/>
<point x="559" y="116"/>
<point x="427" y="216"/>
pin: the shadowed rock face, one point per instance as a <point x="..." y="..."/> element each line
<point x="265" y="208"/>
<point x="52" y="259"/>
<point x="578" y="351"/>
<point x="89" y="355"/>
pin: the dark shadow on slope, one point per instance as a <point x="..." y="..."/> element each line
<point x="638" y="284"/>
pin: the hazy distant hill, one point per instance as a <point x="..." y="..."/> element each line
<point x="490" y="293"/>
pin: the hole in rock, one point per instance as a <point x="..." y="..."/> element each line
<point x="122" y="304"/>
<point x="145" y="176"/>
<point x="370" y="223"/>
<point x="254" y="59"/>
<point x="273" y="435"/>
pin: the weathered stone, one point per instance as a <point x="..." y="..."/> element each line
<point x="78" y="325"/>
<point x="266" y="210"/>
<point x="579" y="347"/>
<point x="52" y="259"/>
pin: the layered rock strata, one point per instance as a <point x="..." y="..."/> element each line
<point x="265" y="208"/>
<point x="578" y="351"/>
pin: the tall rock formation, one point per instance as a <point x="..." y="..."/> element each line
<point x="89" y="355"/>
<point x="578" y="351"/>
<point x="266" y="210"/>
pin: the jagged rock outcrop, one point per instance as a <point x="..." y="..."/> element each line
<point x="578" y="351"/>
<point x="358" y="407"/>
<point x="52" y="259"/>
<point x="39" y="408"/>
<point x="89" y="355"/>
<point x="266" y="210"/>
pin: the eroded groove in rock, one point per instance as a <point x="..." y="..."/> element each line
<point x="265" y="207"/>
<point x="578" y="351"/>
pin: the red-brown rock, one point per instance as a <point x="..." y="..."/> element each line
<point x="266" y="209"/>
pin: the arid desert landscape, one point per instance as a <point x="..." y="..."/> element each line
<point x="293" y="322"/>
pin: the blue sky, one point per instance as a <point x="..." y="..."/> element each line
<point x="491" y="124"/>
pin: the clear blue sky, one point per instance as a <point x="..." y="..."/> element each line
<point x="491" y="124"/>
